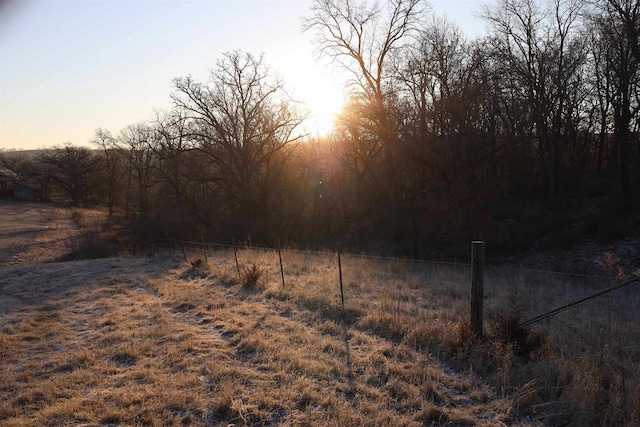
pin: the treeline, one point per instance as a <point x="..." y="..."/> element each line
<point x="443" y="138"/>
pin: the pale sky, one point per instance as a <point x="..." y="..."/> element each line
<point x="68" y="67"/>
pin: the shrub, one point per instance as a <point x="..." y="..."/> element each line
<point x="252" y="276"/>
<point x="462" y="334"/>
<point x="197" y="269"/>
<point x="505" y="327"/>
<point x="197" y="263"/>
<point x="92" y="245"/>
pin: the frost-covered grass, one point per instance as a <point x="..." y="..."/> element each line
<point x="157" y="341"/>
<point x="161" y="341"/>
<point x="32" y="233"/>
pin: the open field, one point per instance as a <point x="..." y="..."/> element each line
<point x="160" y="340"/>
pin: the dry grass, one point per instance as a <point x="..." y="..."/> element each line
<point x="32" y="233"/>
<point x="160" y="341"/>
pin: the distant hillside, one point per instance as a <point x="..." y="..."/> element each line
<point x="22" y="153"/>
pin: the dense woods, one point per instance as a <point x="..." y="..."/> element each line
<point x="443" y="138"/>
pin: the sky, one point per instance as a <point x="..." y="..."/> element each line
<point x="68" y="67"/>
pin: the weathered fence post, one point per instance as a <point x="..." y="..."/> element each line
<point x="281" y="269"/>
<point x="477" y="286"/>
<point x="340" y="272"/>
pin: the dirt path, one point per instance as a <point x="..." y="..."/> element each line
<point x="33" y="233"/>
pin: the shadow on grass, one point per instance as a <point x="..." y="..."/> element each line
<point x="328" y="311"/>
<point x="49" y="283"/>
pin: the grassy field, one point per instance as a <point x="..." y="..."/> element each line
<point x="155" y="341"/>
<point x="160" y="340"/>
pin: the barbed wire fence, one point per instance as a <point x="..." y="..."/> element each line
<point x="603" y="329"/>
<point x="538" y="291"/>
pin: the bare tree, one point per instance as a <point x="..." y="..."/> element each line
<point x="18" y="162"/>
<point x="244" y="122"/>
<point x="617" y="22"/>
<point x="438" y="81"/>
<point x="628" y="12"/>
<point x="360" y="151"/>
<point x="189" y="189"/>
<point x="542" y="49"/>
<point x="598" y="89"/>
<point x="70" y="168"/>
<point x="112" y="158"/>
<point x="362" y="37"/>
<point x="135" y="143"/>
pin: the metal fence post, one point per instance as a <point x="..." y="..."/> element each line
<point x="235" y="254"/>
<point x="477" y="286"/>
<point x="340" y="272"/>
<point x="281" y="268"/>
<point x="204" y="250"/>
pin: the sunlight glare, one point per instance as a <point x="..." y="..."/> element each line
<point x="324" y="100"/>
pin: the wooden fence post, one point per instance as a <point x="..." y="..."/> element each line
<point x="477" y="286"/>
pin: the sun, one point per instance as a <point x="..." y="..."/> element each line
<point x="320" y="88"/>
<point x="324" y="101"/>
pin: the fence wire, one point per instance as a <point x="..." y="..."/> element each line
<point x="605" y="328"/>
